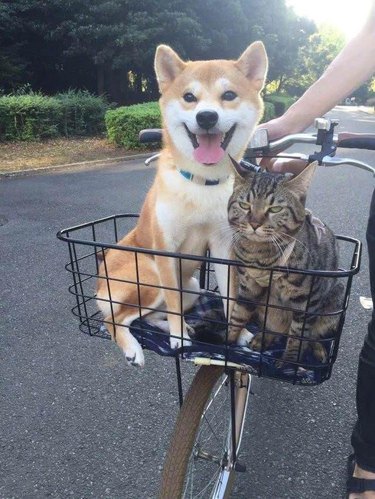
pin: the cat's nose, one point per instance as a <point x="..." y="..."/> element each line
<point x="255" y="225"/>
<point x="207" y="119"/>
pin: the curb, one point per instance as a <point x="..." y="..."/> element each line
<point x="367" y="109"/>
<point x="95" y="162"/>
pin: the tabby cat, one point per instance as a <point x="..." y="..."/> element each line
<point x="271" y="227"/>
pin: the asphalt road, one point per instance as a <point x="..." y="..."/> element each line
<point x="76" y="422"/>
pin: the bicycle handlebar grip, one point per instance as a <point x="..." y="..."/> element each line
<point x="356" y="141"/>
<point x="150" y="135"/>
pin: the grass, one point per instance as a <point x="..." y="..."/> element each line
<point x="17" y="156"/>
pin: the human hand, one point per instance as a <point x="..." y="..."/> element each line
<point x="283" y="165"/>
<point x="278" y="128"/>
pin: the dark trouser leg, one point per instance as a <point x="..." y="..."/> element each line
<point x="363" y="437"/>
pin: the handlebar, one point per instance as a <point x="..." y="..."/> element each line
<point x="150" y="136"/>
<point x="356" y="141"/>
<point x="260" y="146"/>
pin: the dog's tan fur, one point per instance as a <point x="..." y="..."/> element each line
<point x="179" y="215"/>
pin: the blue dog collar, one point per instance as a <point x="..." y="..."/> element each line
<point x="201" y="180"/>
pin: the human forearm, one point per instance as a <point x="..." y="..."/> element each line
<point x="354" y="65"/>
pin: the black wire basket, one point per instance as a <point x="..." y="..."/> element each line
<point x="88" y="245"/>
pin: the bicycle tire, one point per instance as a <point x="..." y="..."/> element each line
<point x="180" y="452"/>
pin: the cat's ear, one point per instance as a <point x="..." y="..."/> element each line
<point x="302" y="181"/>
<point x="242" y="173"/>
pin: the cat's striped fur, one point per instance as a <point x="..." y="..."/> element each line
<point x="271" y="227"/>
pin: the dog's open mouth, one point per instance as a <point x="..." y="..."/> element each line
<point x="209" y="148"/>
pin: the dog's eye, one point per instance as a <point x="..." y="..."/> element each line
<point x="229" y="95"/>
<point x="189" y="97"/>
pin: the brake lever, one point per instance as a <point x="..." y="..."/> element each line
<point x="334" y="161"/>
<point x="151" y="159"/>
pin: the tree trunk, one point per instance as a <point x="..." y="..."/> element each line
<point x="100" y="79"/>
<point x="280" y="85"/>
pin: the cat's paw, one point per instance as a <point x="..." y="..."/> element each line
<point x="245" y="338"/>
<point x="177" y="342"/>
<point x="280" y="364"/>
<point x="261" y="342"/>
<point x="256" y="343"/>
<point x="287" y="358"/>
<point x="133" y="353"/>
<point x="319" y="352"/>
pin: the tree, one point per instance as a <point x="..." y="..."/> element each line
<point x="11" y="62"/>
<point x="315" y="56"/>
<point x="108" y="46"/>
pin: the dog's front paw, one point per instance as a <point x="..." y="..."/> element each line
<point x="133" y="353"/>
<point x="177" y="343"/>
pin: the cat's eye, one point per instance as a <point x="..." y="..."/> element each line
<point x="229" y="95"/>
<point x="275" y="209"/>
<point x="189" y="97"/>
<point x="243" y="205"/>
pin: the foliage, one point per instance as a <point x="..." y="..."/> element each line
<point x="320" y="51"/>
<point x="108" y="46"/>
<point x="284" y="34"/>
<point x="365" y="94"/>
<point x="82" y="113"/>
<point x="269" y="112"/>
<point x="28" y="117"/>
<point x="33" y="116"/>
<point x="124" y="123"/>
<point x="280" y="102"/>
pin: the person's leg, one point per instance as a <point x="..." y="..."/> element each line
<point x="363" y="437"/>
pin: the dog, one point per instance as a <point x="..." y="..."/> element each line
<point x="209" y="111"/>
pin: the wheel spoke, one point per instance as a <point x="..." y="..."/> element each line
<point x="210" y="449"/>
<point x="198" y="463"/>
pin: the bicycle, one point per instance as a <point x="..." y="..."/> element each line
<point x="204" y="441"/>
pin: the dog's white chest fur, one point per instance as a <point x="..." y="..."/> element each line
<point x="193" y="213"/>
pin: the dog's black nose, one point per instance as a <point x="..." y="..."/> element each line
<point x="207" y="119"/>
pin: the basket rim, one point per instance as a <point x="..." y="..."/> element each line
<point x="64" y="235"/>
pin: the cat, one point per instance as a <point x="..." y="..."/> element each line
<point x="271" y="227"/>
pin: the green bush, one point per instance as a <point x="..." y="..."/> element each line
<point x="82" y="113"/>
<point x="34" y="116"/>
<point x="124" y="123"/>
<point x="269" y="112"/>
<point x="280" y="102"/>
<point x="28" y="117"/>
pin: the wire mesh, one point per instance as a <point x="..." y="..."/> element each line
<point x="129" y="298"/>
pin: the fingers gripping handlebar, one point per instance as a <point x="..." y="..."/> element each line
<point x="325" y="138"/>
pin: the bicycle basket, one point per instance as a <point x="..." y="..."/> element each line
<point x="89" y="244"/>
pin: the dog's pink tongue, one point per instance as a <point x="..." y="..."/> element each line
<point x="209" y="150"/>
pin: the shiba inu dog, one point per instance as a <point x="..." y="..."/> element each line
<point x="209" y="110"/>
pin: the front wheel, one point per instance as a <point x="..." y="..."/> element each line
<point x="201" y="460"/>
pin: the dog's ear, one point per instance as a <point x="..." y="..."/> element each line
<point x="253" y="63"/>
<point x="167" y="66"/>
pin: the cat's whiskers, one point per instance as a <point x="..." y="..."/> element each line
<point x="223" y="228"/>
<point x="294" y="239"/>
<point x="282" y="251"/>
<point x="236" y="236"/>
